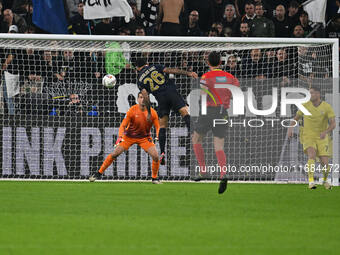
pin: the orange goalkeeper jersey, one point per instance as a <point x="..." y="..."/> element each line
<point x="135" y="123"/>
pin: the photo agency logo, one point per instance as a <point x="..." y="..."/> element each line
<point x="238" y="105"/>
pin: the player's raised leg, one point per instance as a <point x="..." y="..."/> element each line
<point x="186" y="116"/>
<point x="107" y="162"/>
<point x="152" y="151"/>
<point x="326" y="170"/>
<point x="163" y="124"/>
<point x="311" y="153"/>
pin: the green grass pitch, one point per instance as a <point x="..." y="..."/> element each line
<point x="174" y="218"/>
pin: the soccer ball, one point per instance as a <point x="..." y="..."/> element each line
<point x="109" y="81"/>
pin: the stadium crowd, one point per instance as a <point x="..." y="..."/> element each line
<point x="64" y="71"/>
<point x="254" y="18"/>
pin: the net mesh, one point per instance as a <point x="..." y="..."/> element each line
<point x="59" y="121"/>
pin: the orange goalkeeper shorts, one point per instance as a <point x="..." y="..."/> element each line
<point x="144" y="143"/>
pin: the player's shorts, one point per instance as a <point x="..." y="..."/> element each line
<point x="205" y="123"/>
<point x="169" y="101"/>
<point x="145" y="143"/>
<point x="323" y="147"/>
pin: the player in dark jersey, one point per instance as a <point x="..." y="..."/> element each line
<point x="216" y="109"/>
<point x="154" y="79"/>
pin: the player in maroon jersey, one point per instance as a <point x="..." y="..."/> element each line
<point x="216" y="109"/>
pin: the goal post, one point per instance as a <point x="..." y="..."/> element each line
<point x="336" y="101"/>
<point x="59" y="122"/>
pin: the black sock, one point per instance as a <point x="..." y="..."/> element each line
<point x="186" y="119"/>
<point x="162" y="139"/>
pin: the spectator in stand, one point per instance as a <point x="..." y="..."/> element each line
<point x="169" y="17"/>
<point x="49" y="68"/>
<point x="281" y="23"/>
<point x="219" y="7"/>
<point x="267" y="10"/>
<point x="75" y="107"/>
<point x="304" y="22"/>
<point x="72" y="8"/>
<point x="283" y="68"/>
<point x="95" y="70"/>
<point x="31" y="71"/>
<point x="298" y="32"/>
<point x="140" y="31"/>
<point x="78" y="25"/>
<point x="105" y="27"/>
<point x="249" y="9"/>
<point x="124" y="31"/>
<point x="136" y="21"/>
<point x="219" y="28"/>
<point x="69" y="68"/>
<point x="333" y="29"/>
<point x="269" y="61"/>
<point x="293" y="14"/>
<point x="232" y="66"/>
<point x="244" y="30"/>
<point x="149" y="12"/>
<point x="205" y="9"/>
<point x="253" y="66"/>
<point x="227" y="32"/>
<point x="193" y="29"/>
<point x="305" y="64"/>
<point x="262" y="26"/>
<point x="10" y="19"/>
<point x="230" y="20"/>
<point x="185" y="63"/>
<point x="24" y="8"/>
<point x="11" y="69"/>
<point x="213" y="32"/>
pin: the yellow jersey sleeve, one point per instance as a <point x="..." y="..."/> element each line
<point x="330" y="112"/>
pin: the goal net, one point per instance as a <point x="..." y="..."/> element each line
<point x="59" y="122"/>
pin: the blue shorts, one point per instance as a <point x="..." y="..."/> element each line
<point x="171" y="100"/>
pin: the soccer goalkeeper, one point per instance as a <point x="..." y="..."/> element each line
<point x="135" y="129"/>
<point x="314" y="134"/>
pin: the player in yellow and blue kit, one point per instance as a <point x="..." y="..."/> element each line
<point x="315" y="134"/>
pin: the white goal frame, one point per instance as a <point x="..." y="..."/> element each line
<point x="273" y="41"/>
